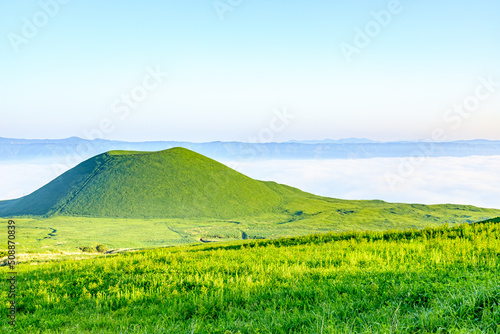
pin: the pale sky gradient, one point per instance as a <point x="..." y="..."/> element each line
<point x="226" y="77"/>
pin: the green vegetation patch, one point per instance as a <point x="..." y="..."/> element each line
<point x="434" y="280"/>
<point x="175" y="183"/>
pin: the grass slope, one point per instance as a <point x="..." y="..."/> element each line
<point x="48" y="199"/>
<point x="170" y="183"/>
<point x="444" y="280"/>
<point x="67" y="234"/>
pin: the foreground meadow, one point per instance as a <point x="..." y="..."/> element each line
<point x="443" y="280"/>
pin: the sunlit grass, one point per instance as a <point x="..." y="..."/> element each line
<point x="434" y="280"/>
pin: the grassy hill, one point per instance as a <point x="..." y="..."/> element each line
<point x="436" y="280"/>
<point x="171" y="183"/>
<point x="142" y="199"/>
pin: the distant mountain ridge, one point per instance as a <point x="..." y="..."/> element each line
<point x="335" y="141"/>
<point x="352" y="148"/>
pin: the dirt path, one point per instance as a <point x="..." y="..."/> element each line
<point x="201" y="239"/>
<point x="51" y="234"/>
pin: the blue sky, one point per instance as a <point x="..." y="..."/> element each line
<point x="230" y="73"/>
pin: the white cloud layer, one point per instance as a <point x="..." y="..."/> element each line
<point x="468" y="180"/>
<point x="20" y="179"/>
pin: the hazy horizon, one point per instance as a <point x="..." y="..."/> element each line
<point x="263" y="142"/>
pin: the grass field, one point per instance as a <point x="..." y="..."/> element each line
<point x="67" y="234"/>
<point x="436" y="280"/>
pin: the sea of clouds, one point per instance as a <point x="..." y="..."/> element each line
<point x="469" y="180"/>
<point x="466" y="180"/>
